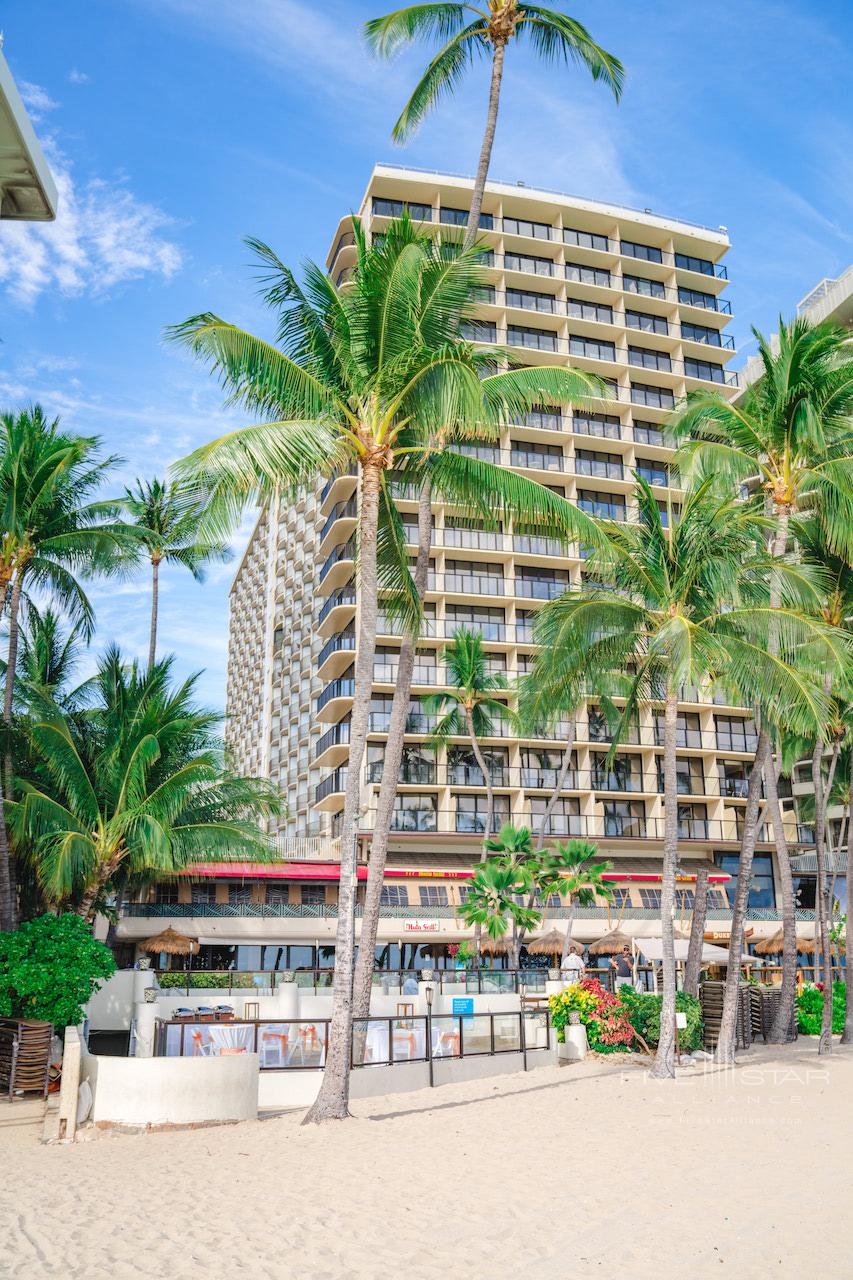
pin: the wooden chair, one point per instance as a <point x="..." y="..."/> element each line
<point x="405" y="1012"/>
<point x="24" y="1056"/>
<point x="251" y="1010"/>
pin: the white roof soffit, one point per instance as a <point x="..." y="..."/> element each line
<point x="27" y="190"/>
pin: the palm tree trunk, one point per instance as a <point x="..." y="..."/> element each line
<point x="822" y="792"/>
<point x="847" y="1034"/>
<point x="664" y="1064"/>
<point x="782" y="1020"/>
<point x="570" y="924"/>
<point x="8" y="896"/>
<point x="565" y="764"/>
<point x="490" y="806"/>
<point x="697" y="933"/>
<point x="728" y="1025"/>
<point x="498" y="54"/>
<point x="390" y="774"/>
<point x="155" y="593"/>
<point x="12" y="657"/>
<point x="332" y="1102"/>
<point x="8" y="876"/>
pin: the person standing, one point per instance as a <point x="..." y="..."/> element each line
<point x="572" y="968"/>
<point x="623" y="963"/>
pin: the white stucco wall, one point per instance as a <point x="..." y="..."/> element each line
<point x="160" y="1091"/>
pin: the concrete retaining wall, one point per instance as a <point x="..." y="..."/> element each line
<point x="172" y="1091"/>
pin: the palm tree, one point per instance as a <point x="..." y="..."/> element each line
<point x="697" y="931"/>
<point x="686" y="606"/>
<point x="47" y="659"/>
<point x="363" y="377"/>
<point x="52" y="532"/>
<point x="131" y="790"/>
<point x="582" y="879"/>
<point x="553" y="35"/>
<point x="791" y="436"/>
<point x="170" y="517"/>
<point x="513" y="849"/>
<point x="492" y="903"/>
<point x="470" y="707"/>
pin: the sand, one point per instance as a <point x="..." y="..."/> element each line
<point x="566" y="1172"/>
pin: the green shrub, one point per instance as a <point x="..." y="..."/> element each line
<point x="50" y="968"/>
<point x="603" y="1014"/>
<point x="810" y="1008"/>
<point x="200" y="980"/>
<point x="644" y="1011"/>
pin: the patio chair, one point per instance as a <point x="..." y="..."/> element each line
<point x="273" y="1045"/>
<point x="24" y="1056"/>
<point x="200" y="1049"/>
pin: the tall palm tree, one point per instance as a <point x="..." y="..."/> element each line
<point x="791" y="435"/>
<point x="47" y="658"/>
<point x="363" y="376"/>
<point x="687" y="606"/>
<point x="131" y="790"/>
<point x="53" y="532"/>
<point x="553" y="35"/>
<point x="582" y="873"/>
<point x="513" y="849"/>
<point x="170" y="516"/>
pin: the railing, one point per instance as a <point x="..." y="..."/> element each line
<point x="337" y="736"/>
<point x="329" y="911"/>
<point x="344" y="595"/>
<point x="344" y="688"/>
<point x="336" y="782"/>
<point x="302" y="1044"/>
<point x="332" y="480"/>
<point x="344" y="641"/>
<point x="344" y="552"/>
<point x="341" y="511"/>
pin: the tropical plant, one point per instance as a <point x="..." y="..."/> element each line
<point x="53" y="532"/>
<point x="48" y="656"/>
<point x="581" y="879"/>
<point x="471" y="707"/>
<point x="553" y="35"/>
<point x="791" y="435"/>
<point x="491" y="902"/>
<point x="686" y="606"/>
<point x="365" y="376"/>
<point x="169" y="517"/>
<point x="607" y="1021"/>
<point x="50" y="968"/>
<point x="810" y="1005"/>
<point x="513" y="848"/>
<point x="132" y="790"/>
<point x="644" y="1011"/>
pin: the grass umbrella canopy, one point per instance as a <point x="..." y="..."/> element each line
<point x="551" y="944"/>
<point x="612" y="942"/>
<point x="773" y="945"/>
<point x="494" y="946"/>
<point x="172" y="943"/>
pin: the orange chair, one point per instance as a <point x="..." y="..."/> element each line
<point x="268" y="1038"/>
<point x="230" y="1053"/>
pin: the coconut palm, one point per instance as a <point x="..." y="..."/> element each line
<point x="471" y="706"/>
<point x="169" y="517"/>
<point x="791" y="435"/>
<point x="48" y="655"/>
<point x="365" y="376"/>
<point x="53" y="532"/>
<point x="513" y="848"/>
<point x="686" y="606"/>
<point x="470" y="31"/>
<point x="131" y="790"/>
<point x="581" y="874"/>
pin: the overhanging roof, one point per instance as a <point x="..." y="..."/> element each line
<point x="27" y="190"/>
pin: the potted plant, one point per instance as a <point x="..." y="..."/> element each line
<point x="427" y="975"/>
<point x="554" y="974"/>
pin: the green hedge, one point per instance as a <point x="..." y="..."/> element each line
<point x="644" y="1012"/>
<point x="810" y="1009"/>
<point x="50" y="968"/>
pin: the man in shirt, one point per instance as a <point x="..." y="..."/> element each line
<point x="572" y="967"/>
<point x="624" y="965"/>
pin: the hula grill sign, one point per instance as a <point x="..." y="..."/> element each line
<point x="421" y="926"/>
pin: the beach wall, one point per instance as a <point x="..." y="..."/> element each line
<point x="111" y="1008"/>
<point x="154" y="1092"/>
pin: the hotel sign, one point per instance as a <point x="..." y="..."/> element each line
<point x="421" y="926"/>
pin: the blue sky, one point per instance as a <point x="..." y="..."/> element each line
<point x="176" y="127"/>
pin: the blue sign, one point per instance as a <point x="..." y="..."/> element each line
<point x="463" y="1006"/>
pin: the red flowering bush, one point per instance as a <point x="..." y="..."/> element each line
<point x="607" y="1022"/>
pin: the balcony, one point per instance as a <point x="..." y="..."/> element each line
<point x="412" y="772"/>
<point x="335" y="784"/>
<point x="342" y="643"/>
<point x="337" y="736"/>
<point x="340" y="511"/>
<point x="345" y="552"/>
<point x="344" y="596"/>
<point x="344" y="688"/>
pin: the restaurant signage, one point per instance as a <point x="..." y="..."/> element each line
<point x="421" y="926"/>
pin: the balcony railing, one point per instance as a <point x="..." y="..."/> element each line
<point x="337" y="736"/>
<point x="344" y="595"/>
<point x="343" y="642"/>
<point x="344" y="552"/>
<point x="336" y="782"/>
<point x="343" y="688"/>
<point x="340" y="511"/>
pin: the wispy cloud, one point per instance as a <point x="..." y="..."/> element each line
<point x="36" y="99"/>
<point x="78" y="77"/>
<point x="103" y="237"/>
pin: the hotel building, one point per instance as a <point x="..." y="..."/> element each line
<point x="638" y="299"/>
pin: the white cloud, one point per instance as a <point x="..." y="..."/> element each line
<point x="78" y="77"/>
<point x="103" y="236"/>
<point x="36" y="99"/>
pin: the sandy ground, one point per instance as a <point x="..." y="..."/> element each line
<point x="566" y="1172"/>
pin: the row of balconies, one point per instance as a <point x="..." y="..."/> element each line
<point x="526" y="228"/>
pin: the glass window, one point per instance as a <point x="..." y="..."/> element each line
<point x="762" y="892"/>
<point x="530" y="301"/>
<point x="705" y="369"/>
<point x="529" y="262"/>
<point x="621" y="897"/>
<point x="684" y="899"/>
<point x="735" y="734"/>
<point x="239" y="895"/>
<point x="694" y="298"/>
<point x="650" y="898"/>
<point x="433" y="895"/>
<point x="602" y="505"/>
<point x="547" y="419"/>
<point x="642" y="358"/>
<point x="603" y="425"/>
<point x="524" y="227"/>
<point x="478" y="331"/>
<point x="565" y="819"/>
<point x="524" y="336"/>
<point x="166" y="894"/>
<point x="471" y="813"/>
<point x="624" y="818"/>
<point x="647" y="323"/>
<point x="203" y="894"/>
<point x="587" y="275"/>
<point x="652" y="471"/>
<point x="394" y="895"/>
<point x="688" y="263"/>
<point x="589" y="462"/>
<point x="648" y="252"/>
<point x="394" y="209"/>
<point x="278" y="895"/>
<point x="313" y="895"/>
<point x="701" y="333"/>
<point x="649" y="433"/>
<point x="591" y="348"/>
<point x="414" y="813"/>
<point x="693" y="822"/>
<point x="622" y="774"/>
<point x="459" y="218"/>
<point x="585" y="239"/>
<point x="687" y="731"/>
<point x="645" y="288"/>
<point x="652" y="397"/>
<point x="579" y="310"/>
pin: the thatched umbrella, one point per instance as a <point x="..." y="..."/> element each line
<point x="551" y="944"/>
<point x="172" y="943"/>
<point x="610" y="944"/>
<point x="494" y="946"/>
<point x="773" y="946"/>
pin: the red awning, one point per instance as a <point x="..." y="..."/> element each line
<point x="332" y="871"/>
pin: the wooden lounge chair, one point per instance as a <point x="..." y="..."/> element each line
<point x="24" y="1056"/>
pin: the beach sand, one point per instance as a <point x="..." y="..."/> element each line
<point x="592" y="1170"/>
